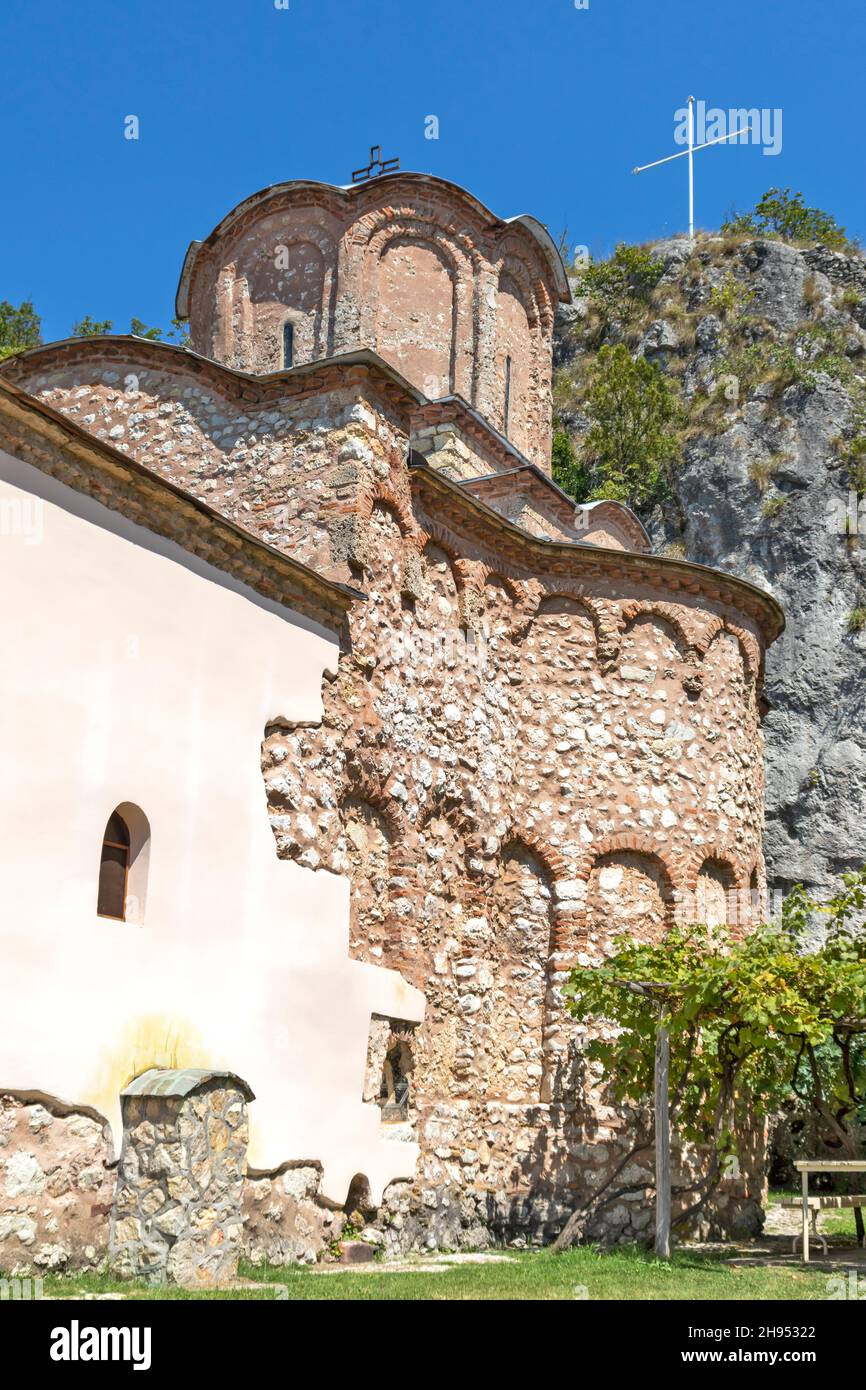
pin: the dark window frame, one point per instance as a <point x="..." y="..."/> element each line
<point x="104" y="862"/>
<point x="288" y="344"/>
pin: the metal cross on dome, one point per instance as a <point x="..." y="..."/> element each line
<point x="377" y="166"/>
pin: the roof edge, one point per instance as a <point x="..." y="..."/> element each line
<point x="340" y="596"/>
<point x="347" y="192"/>
<point x="690" y="569"/>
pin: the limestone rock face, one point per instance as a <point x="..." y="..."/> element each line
<point x="56" y="1187"/>
<point x="765" y="482"/>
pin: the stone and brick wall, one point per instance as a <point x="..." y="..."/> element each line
<point x="586" y="766"/>
<point x="56" y="1186"/>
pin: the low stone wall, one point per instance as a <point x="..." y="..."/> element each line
<point x="285" y="1219"/>
<point x="57" y="1183"/>
<point x="56" y="1186"/>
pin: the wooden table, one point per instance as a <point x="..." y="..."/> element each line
<point x="807" y="1166"/>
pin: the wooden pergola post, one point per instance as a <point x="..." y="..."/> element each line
<point x="663" y="1142"/>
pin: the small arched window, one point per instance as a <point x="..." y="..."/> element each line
<point x="506" y="414"/>
<point x="288" y="344"/>
<point x="123" y="865"/>
<point x="114" y="869"/>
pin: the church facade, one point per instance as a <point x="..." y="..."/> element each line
<point x="408" y="734"/>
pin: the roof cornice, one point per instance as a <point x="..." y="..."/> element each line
<point x="532" y="554"/>
<point x="290" y="383"/>
<point x="274" y="574"/>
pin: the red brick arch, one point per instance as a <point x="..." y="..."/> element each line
<point x="592" y="610"/>
<point x="632" y="842"/>
<point x="711" y="852"/>
<point x="382" y="494"/>
<point x="512" y="586"/>
<point x="450" y="809"/>
<point x="669" y="614"/>
<point x="550" y="858"/>
<point x="749" y="648"/>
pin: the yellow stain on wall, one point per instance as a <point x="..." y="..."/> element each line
<point x="150" y="1040"/>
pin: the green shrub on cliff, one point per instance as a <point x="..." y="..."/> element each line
<point x="568" y="468"/>
<point x="620" y="286"/>
<point x="785" y="214"/>
<point x="632" y="442"/>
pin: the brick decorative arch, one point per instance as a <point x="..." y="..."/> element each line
<point x="606" y="635"/>
<point x="382" y="494"/>
<point x="512" y="586"/>
<point x="669" y="614"/>
<point x="450" y="809"/>
<point x="378" y="226"/>
<point x="514" y="268"/>
<point x="551" y="860"/>
<point x="749" y="649"/>
<point x="711" y="852"/>
<point x="728" y="860"/>
<point x="632" y="842"/>
<point x="692" y="678"/>
<point x="373" y="234"/>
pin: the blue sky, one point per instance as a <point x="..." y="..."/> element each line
<point x="542" y="108"/>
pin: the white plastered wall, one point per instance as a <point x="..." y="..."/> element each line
<point x="130" y="671"/>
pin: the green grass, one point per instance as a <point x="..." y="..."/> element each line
<point x="627" y="1274"/>
<point x="837" y="1221"/>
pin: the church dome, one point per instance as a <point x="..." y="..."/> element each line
<point x="461" y="302"/>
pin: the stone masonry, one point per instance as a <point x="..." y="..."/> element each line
<point x="56" y="1186"/>
<point x="177" y="1208"/>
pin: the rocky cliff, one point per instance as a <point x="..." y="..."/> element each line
<point x="768" y="343"/>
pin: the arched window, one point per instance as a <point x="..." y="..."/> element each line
<point x="123" y="865"/>
<point x="506" y="414"/>
<point x="114" y="869"/>
<point x="288" y="344"/>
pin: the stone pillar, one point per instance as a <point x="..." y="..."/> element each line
<point x="177" y="1209"/>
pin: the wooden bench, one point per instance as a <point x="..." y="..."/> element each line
<point x="816" y="1206"/>
<point x="812" y="1206"/>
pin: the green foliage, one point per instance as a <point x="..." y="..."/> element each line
<point x="857" y="619"/>
<point x="90" y="328"/>
<point x="139" y="329"/>
<point x="569" y="471"/>
<point x="633" y="411"/>
<point x="755" y="1024"/>
<point x="176" y="334"/>
<point x="731" y="298"/>
<point x="851" y="447"/>
<point x="822" y="346"/>
<point x="771" y="506"/>
<point x="811" y="348"/>
<point x="622" y="284"/>
<point x="20" y="327"/>
<point x="785" y="214"/>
